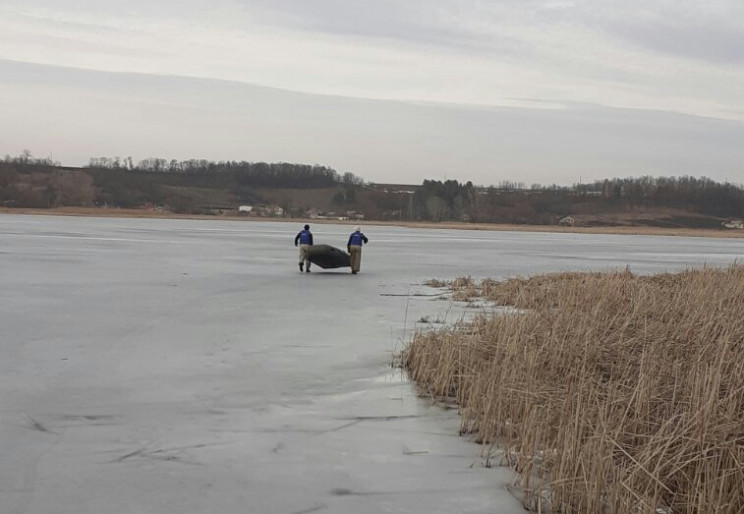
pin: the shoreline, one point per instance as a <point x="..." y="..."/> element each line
<point x="616" y="230"/>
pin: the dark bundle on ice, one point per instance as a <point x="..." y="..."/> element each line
<point x="327" y="256"/>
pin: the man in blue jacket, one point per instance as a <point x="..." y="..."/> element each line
<point x="354" y="246"/>
<point x="305" y="239"/>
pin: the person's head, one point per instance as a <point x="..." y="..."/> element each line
<point x="307" y="227"/>
<point x="357" y="229"/>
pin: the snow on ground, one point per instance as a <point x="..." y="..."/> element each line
<point x="184" y="366"/>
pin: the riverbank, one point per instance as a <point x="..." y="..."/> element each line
<point x="606" y="392"/>
<point x="619" y="230"/>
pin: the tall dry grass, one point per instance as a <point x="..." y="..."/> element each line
<point x="608" y="392"/>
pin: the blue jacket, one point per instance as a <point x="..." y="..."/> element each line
<point x="357" y="239"/>
<point x="305" y="237"/>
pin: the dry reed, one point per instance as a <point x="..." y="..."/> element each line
<point x="608" y="392"/>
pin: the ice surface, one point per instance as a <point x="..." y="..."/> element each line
<point x="183" y="366"/>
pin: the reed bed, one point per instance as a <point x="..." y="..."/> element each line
<point x="607" y="392"/>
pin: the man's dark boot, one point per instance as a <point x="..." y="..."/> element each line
<point x="300" y="267"/>
<point x="308" y="269"/>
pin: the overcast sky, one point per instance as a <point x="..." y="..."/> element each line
<point x="536" y="91"/>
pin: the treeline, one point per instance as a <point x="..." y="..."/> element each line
<point x="702" y="194"/>
<point x="26" y="159"/>
<point x="201" y="186"/>
<point x="192" y="186"/>
<point x="510" y="202"/>
<point x="257" y="174"/>
<point x="445" y="201"/>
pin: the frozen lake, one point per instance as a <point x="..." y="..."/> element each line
<point x="183" y="366"/>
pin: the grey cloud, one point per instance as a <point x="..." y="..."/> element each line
<point x="143" y="8"/>
<point x="434" y="23"/>
<point x="77" y="114"/>
<point x="704" y="42"/>
<point x="710" y="31"/>
<point x="686" y="29"/>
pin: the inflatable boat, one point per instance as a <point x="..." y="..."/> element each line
<point x="327" y="256"/>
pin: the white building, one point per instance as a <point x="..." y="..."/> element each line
<point x="733" y="224"/>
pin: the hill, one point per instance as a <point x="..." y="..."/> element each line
<point x="318" y="192"/>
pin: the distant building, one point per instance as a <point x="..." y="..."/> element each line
<point x="218" y="209"/>
<point x="261" y="211"/>
<point x="567" y="221"/>
<point x="148" y="206"/>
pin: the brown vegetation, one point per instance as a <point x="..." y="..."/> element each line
<point x="608" y="392"/>
<point x="200" y="187"/>
<point x="46" y="188"/>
